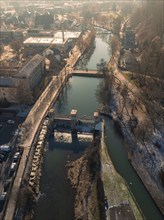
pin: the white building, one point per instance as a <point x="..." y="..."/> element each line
<point x="61" y="40"/>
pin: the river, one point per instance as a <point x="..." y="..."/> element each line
<point x="57" y="199"/>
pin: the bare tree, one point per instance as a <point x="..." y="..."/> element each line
<point x="16" y="46"/>
<point x="124" y="93"/>
<point x="143" y="130"/>
<point x="114" y="45"/>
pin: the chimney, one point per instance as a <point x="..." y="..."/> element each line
<point x="63" y="31"/>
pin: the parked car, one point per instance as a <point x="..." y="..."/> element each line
<point x="46" y="122"/>
<point x="7" y="185"/>
<point x="10" y="121"/>
<point x="12" y="169"/>
<point x="5" y="149"/>
<point x="16" y="132"/>
<point x="16" y="156"/>
<point x="2" y="200"/>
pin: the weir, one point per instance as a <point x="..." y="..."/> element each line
<point x="74" y="124"/>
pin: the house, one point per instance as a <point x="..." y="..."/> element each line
<point x="6" y="36"/>
<point x="129" y="39"/>
<point x="53" y="51"/>
<point x="8" y="89"/>
<point x="129" y="58"/>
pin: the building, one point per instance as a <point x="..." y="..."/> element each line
<point x="63" y="41"/>
<point x="19" y="35"/>
<point x="8" y="89"/>
<point x="35" y="45"/>
<point x="6" y="36"/>
<point x="32" y="72"/>
<point x="20" y="87"/>
<point x="39" y="33"/>
<point x="129" y="39"/>
<point x="129" y="58"/>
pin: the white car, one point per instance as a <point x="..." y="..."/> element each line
<point x="12" y="169"/>
<point x="10" y="122"/>
<point x="16" y="156"/>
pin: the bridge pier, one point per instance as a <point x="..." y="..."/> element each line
<point x="73" y="119"/>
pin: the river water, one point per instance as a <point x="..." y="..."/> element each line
<point x="57" y="199"/>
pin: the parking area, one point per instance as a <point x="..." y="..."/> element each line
<point x="8" y="126"/>
<point x="10" y="155"/>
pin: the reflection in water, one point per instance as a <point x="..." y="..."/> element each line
<point x="82" y="97"/>
<point x="82" y="63"/>
<point x="102" y="50"/>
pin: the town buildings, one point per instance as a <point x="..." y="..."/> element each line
<point x="7" y="36"/>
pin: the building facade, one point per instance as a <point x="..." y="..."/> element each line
<point x="20" y="87"/>
<point x="33" y="71"/>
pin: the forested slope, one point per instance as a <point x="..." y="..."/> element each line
<point x="148" y="23"/>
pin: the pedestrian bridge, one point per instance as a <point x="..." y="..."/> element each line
<point x="86" y="72"/>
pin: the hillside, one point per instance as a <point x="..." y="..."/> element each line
<point x="137" y="97"/>
<point x="148" y="23"/>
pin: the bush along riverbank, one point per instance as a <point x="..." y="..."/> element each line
<point x="124" y="104"/>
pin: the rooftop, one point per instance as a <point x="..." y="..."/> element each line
<point x="30" y="66"/>
<point x="57" y="39"/>
<point x="67" y="34"/>
<point x="43" y="40"/>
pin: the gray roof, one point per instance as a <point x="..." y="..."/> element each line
<point x="30" y="66"/>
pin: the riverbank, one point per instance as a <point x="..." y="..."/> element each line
<point x="144" y="157"/>
<point x="116" y="190"/>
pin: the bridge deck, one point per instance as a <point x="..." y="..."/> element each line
<point x="89" y="73"/>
